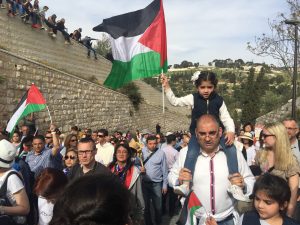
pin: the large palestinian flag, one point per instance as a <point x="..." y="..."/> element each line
<point x="139" y="44"/>
<point x="32" y="101"/>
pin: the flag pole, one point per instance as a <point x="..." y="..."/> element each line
<point x="163" y="99"/>
<point x="49" y="114"/>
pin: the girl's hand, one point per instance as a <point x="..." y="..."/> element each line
<point x="164" y="81"/>
<point x="229" y="136"/>
<point x="210" y="221"/>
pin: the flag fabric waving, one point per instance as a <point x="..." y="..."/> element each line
<point x="32" y="101"/>
<point x="191" y="204"/>
<point x="139" y="44"/>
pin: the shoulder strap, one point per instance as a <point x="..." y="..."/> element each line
<point x="146" y="160"/>
<point x="3" y="188"/>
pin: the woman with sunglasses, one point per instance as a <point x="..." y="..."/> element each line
<point x="70" y="159"/>
<point x="71" y="141"/>
<point x="129" y="175"/>
<point x="277" y="158"/>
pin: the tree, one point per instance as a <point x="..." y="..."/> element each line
<point x="103" y="47"/>
<point x="252" y="92"/>
<point x="279" y="44"/>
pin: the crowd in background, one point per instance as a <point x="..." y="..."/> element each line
<point x="36" y="15"/>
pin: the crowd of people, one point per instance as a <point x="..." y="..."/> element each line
<point x="212" y="174"/>
<point x="36" y="15"/>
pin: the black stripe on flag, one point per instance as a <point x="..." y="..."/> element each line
<point x="130" y="24"/>
<point x="23" y="99"/>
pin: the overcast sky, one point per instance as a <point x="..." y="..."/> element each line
<point x="197" y="30"/>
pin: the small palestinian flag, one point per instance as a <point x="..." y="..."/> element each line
<point x="32" y="101"/>
<point x="191" y="204"/>
<point x="139" y="44"/>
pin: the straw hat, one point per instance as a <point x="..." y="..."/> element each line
<point x="247" y="135"/>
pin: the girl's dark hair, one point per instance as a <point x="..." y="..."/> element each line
<point x="274" y="187"/>
<point x="50" y="183"/>
<point x="248" y="124"/>
<point x="93" y="200"/>
<point x="207" y="76"/>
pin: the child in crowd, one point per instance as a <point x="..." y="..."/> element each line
<point x="248" y="150"/>
<point x="206" y="101"/>
<point x="271" y="196"/>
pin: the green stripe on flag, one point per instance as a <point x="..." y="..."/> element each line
<point x="192" y="212"/>
<point x="30" y="108"/>
<point x="141" y="66"/>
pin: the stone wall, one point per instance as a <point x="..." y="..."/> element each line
<point x="279" y="114"/>
<point x="35" y="44"/>
<point x="75" y="101"/>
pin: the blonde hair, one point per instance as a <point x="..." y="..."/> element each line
<point x="282" y="149"/>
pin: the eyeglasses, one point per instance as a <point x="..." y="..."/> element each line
<point x="73" y="140"/>
<point x="291" y="128"/>
<point x="70" y="157"/>
<point x="264" y="136"/>
<point x="88" y="152"/>
<point x="210" y="134"/>
<point x="100" y="135"/>
<point x="48" y="137"/>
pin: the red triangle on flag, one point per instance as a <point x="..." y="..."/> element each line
<point x="155" y="36"/>
<point x="35" y="96"/>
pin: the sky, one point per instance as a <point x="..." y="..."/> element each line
<point x="197" y="30"/>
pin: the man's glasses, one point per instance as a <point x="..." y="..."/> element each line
<point x="48" y="137"/>
<point x="100" y="135"/>
<point x="88" y="152"/>
<point x="210" y="134"/>
<point x="70" y="157"/>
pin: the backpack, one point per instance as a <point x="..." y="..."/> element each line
<point x="4" y="201"/>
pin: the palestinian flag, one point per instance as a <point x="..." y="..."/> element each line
<point x="139" y="44"/>
<point x="32" y="101"/>
<point x="190" y="206"/>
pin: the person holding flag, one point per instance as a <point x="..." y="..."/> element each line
<point x="209" y="196"/>
<point x="139" y="44"/>
<point x="32" y="101"/>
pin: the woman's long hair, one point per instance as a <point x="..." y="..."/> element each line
<point x="129" y="162"/>
<point x="282" y="149"/>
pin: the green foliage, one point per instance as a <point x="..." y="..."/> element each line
<point x="103" y="47"/>
<point x="133" y="93"/>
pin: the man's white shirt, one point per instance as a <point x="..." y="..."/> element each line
<point x="202" y="181"/>
<point x="105" y="153"/>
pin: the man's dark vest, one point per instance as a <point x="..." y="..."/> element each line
<point x="252" y="218"/>
<point x="203" y="106"/>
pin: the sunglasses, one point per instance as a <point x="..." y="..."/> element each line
<point x="70" y="157"/>
<point x="264" y="136"/>
<point x="99" y="135"/>
<point x="48" y="137"/>
<point x="73" y="140"/>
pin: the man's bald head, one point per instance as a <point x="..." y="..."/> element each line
<point x="207" y="118"/>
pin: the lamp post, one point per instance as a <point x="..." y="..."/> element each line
<point x="295" y="22"/>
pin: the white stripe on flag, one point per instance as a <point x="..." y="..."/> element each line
<point x="14" y="119"/>
<point x="124" y="49"/>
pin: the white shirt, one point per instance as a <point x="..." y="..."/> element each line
<point x="223" y="203"/>
<point x="45" y="211"/>
<point x="14" y="185"/>
<point x="251" y="153"/>
<point x="188" y="100"/>
<point x="105" y="153"/>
